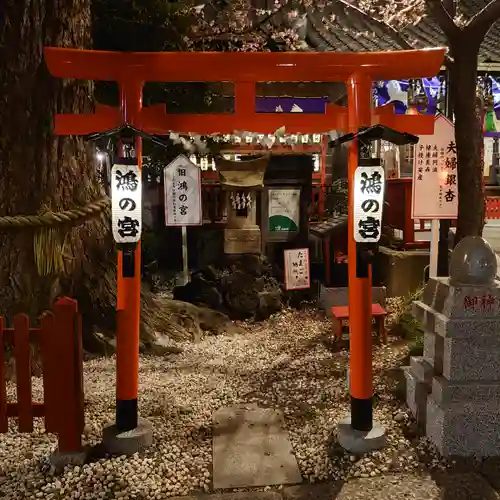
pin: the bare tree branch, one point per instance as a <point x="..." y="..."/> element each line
<point x="480" y="23"/>
<point x="402" y="13"/>
<point x="443" y="18"/>
<point x="255" y="26"/>
<point x="388" y="30"/>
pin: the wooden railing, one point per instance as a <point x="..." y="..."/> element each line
<point x="59" y="342"/>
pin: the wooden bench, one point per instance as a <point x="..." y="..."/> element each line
<point x="341" y="313"/>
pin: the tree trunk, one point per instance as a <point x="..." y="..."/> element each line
<point x="42" y="171"/>
<point x="469" y="138"/>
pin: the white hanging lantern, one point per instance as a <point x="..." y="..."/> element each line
<point x="126" y="202"/>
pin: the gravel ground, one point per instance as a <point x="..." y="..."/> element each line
<point x="286" y="362"/>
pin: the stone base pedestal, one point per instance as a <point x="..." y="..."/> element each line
<point x="418" y="386"/>
<point x="242" y="241"/>
<point x="464" y="428"/>
<point x="455" y="387"/>
<point x="359" y="442"/>
<point x="130" y="442"/>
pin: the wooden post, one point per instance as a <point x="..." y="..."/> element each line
<point x="185" y="262"/>
<point x="434" y="248"/>
<point x="129" y="296"/>
<point x="327" y="258"/>
<point x="322" y="169"/>
<point x="359" y="91"/>
<point x="50" y="350"/>
<point x="409" y="223"/>
<point x="66" y="350"/>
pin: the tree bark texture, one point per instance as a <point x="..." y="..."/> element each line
<point x="469" y="137"/>
<point x="39" y="170"/>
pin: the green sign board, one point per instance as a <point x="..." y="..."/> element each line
<point x="284" y="210"/>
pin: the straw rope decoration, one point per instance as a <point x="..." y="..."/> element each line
<point x="50" y="239"/>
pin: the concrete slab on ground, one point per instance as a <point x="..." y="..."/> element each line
<point x="443" y="486"/>
<point x="251" y="448"/>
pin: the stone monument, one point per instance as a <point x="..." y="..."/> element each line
<point x="454" y="388"/>
<point x="241" y="181"/>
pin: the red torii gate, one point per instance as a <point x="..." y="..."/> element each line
<point x="132" y="70"/>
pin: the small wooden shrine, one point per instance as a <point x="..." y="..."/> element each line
<point x="241" y="180"/>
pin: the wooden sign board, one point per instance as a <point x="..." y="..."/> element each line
<point x="182" y="186"/>
<point x="297" y="269"/>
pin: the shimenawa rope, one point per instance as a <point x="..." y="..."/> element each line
<point x="50" y="219"/>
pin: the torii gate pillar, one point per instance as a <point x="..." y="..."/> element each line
<point x="130" y="70"/>
<point x="128" y="295"/>
<point x="359" y="95"/>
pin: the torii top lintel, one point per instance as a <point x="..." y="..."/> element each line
<point x="132" y="70"/>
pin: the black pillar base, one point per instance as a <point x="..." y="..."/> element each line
<point x="126" y="415"/>
<point x="361" y="414"/>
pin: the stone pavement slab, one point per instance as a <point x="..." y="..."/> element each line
<point x="251" y="448"/>
<point x="442" y="486"/>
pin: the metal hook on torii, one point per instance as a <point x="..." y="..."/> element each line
<point x="358" y="70"/>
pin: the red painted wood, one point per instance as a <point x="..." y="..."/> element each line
<point x="240" y="66"/>
<point x="50" y="367"/>
<point x="69" y="394"/>
<point x="342" y="312"/>
<point x="409" y="225"/>
<point x="38" y="410"/>
<point x="59" y="338"/>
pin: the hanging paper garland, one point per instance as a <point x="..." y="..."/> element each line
<point x="240" y="200"/>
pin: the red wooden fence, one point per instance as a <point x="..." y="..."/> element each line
<point x="59" y="340"/>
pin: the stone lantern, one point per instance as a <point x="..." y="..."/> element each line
<point x="241" y="180"/>
<point x="454" y="388"/>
